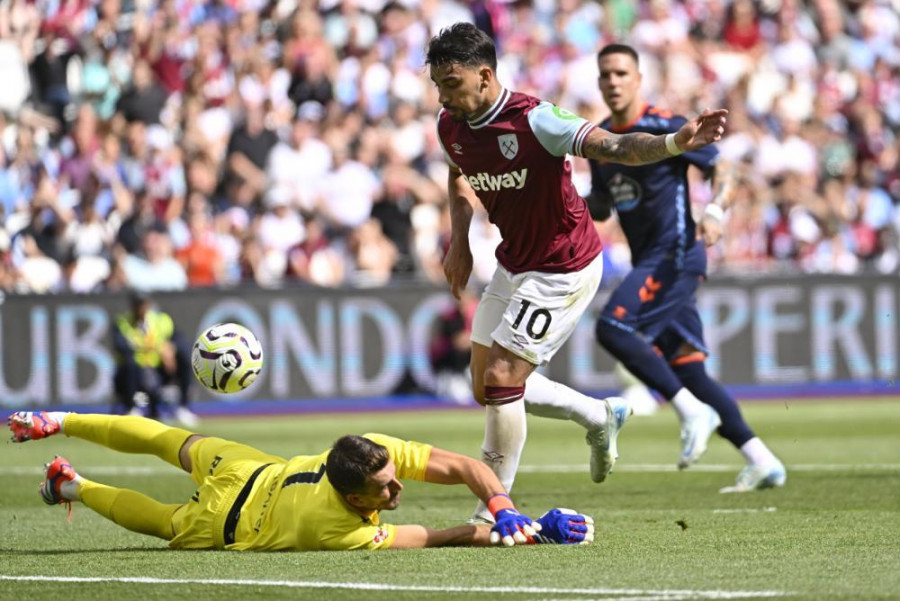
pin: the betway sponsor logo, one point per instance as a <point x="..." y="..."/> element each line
<point x="486" y="182"/>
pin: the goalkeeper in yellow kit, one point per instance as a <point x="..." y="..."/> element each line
<point x="250" y="500"/>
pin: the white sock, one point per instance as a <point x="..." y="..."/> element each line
<point x="756" y="452"/>
<point x="547" y="398"/>
<point x="70" y="489"/>
<point x="686" y="404"/>
<point x="59" y="417"/>
<point x="504" y="437"/>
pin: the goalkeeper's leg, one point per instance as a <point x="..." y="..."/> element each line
<point x="129" y="509"/>
<point x="128" y="434"/>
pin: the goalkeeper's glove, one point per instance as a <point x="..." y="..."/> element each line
<point x="565" y="527"/>
<point x="510" y="526"/>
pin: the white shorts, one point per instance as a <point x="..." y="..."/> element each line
<point x="532" y="314"/>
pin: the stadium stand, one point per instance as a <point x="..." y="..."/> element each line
<point x="185" y="143"/>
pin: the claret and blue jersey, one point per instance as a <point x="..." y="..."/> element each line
<point x="652" y="201"/>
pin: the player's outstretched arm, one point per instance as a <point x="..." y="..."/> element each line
<point x="418" y="537"/>
<point x="642" y="148"/>
<point x="458" y="261"/>
<point x="511" y="527"/>
<point x="447" y="467"/>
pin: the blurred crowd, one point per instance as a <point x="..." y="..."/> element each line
<point x="161" y="145"/>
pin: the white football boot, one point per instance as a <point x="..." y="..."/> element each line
<point x="604" y="450"/>
<point x="758" y="477"/>
<point x="695" y="434"/>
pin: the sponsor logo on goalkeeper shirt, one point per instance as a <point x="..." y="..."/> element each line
<point x="381" y="535"/>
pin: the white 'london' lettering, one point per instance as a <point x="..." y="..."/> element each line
<point x="486" y="182"/>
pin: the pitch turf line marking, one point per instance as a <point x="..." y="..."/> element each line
<point x="666" y="467"/>
<point x="668" y="595"/>
<point x="119" y="470"/>
<point x="747" y="510"/>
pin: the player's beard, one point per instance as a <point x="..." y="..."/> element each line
<point x="392" y="503"/>
<point x="456" y="114"/>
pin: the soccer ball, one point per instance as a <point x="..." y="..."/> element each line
<point x="226" y="358"/>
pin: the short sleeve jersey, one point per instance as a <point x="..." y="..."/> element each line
<point x="514" y="158"/>
<point x="652" y="201"/>
<point x="294" y="507"/>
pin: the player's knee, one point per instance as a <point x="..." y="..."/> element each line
<point x="497" y="374"/>
<point x="184" y="453"/>
<point x="501" y="386"/>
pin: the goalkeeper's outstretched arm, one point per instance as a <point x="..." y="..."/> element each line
<point x="446" y="467"/>
<point x="417" y="537"/>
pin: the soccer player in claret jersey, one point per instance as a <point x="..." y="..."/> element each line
<point x="508" y="151"/>
<point x="655" y="306"/>
<point x="249" y="500"/>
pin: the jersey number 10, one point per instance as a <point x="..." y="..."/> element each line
<point x="531" y="325"/>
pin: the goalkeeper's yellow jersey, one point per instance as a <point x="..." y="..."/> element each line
<point x="294" y="507"/>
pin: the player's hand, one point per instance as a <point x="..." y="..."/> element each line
<point x="513" y="528"/>
<point x="710" y="230"/>
<point x="565" y="527"/>
<point x="458" y="268"/>
<point x="705" y="128"/>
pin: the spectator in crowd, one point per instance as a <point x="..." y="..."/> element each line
<point x="200" y="257"/>
<point x="150" y="354"/>
<point x="157" y="269"/>
<point x="249" y="149"/>
<point x="300" y="163"/>
<point x="316" y="260"/>
<point x="145" y="100"/>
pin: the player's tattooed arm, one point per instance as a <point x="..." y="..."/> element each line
<point x="629" y="149"/>
<point x="642" y="148"/>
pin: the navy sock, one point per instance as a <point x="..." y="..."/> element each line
<point x="629" y="347"/>
<point x="734" y="429"/>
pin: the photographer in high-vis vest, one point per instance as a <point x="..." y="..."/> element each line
<point x="150" y="354"/>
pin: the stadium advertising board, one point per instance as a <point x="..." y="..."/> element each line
<point x="358" y="343"/>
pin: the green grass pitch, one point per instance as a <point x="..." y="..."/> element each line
<point x="832" y="533"/>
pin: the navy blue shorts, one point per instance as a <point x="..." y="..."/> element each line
<point x="660" y="302"/>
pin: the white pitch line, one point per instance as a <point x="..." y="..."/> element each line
<point x="121" y="470"/>
<point x="373" y="586"/>
<point x="667" y="467"/>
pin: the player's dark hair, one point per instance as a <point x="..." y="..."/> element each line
<point x="618" y="49"/>
<point x="461" y="44"/>
<point x="352" y="460"/>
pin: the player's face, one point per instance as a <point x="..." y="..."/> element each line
<point x="619" y="81"/>
<point x="462" y="91"/>
<point x="382" y="490"/>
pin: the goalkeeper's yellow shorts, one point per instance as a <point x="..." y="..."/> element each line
<point x="225" y="471"/>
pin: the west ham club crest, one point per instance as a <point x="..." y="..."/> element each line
<point x="509" y="145"/>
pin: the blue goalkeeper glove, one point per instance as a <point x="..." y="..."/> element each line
<point x="513" y="528"/>
<point x="510" y="527"/>
<point x="565" y="527"/>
